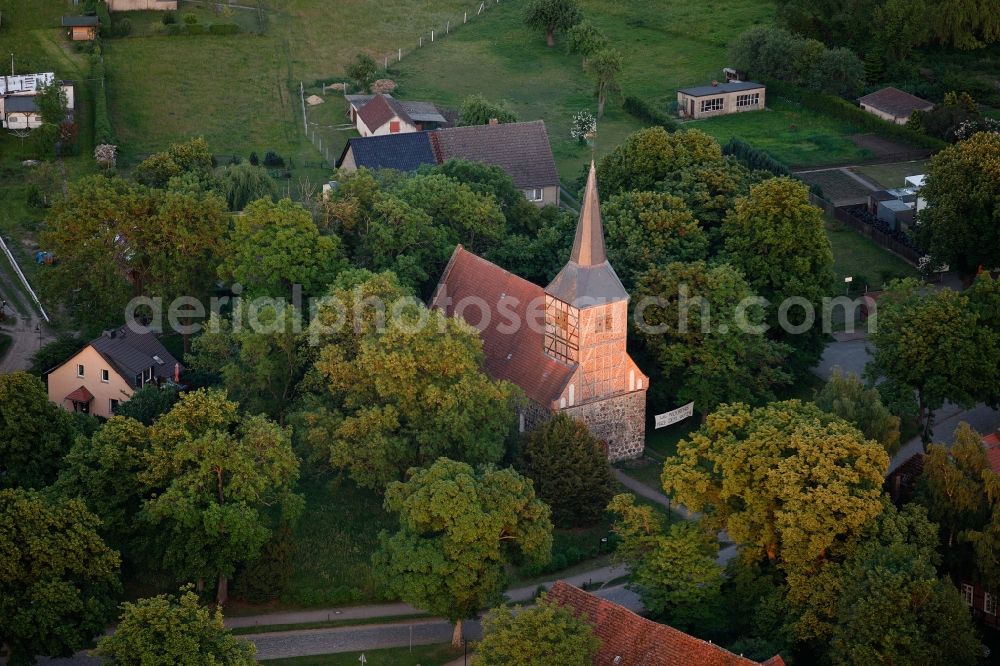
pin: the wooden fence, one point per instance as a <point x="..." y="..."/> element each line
<point x="878" y="237"/>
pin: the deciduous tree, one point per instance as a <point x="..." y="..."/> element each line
<point x="214" y="473"/>
<point x="458" y="529"/>
<point x="847" y="397"/>
<point x="275" y="246"/>
<point x="406" y="389"/>
<point x="191" y="157"/>
<point x="35" y="434"/>
<point x="585" y="39"/>
<point x="552" y="16"/>
<point x="605" y="67"/>
<point x="698" y="324"/>
<point x="652" y="155"/>
<point x="570" y="469"/>
<point x="477" y="110"/>
<point x="776" y="238"/>
<point x="166" y="630"/>
<point x="962" y="190"/>
<point x="788" y="481"/>
<point x="545" y="634"/>
<point x="58" y="581"/>
<point x="242" y="183"/>
<point x="673" y="570"/>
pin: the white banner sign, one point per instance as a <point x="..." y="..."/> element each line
<point x="676" y="415"/>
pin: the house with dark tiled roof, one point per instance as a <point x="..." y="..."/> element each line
<point x="375" y="115"/>
<point x="628" y="639"/>
<point x="894" y="105"/>
<point x="18" y="109"/>
<point x="81" y="28"/>
<point x="106" y="372"/>
<point x="520" y="149"/>
<point x="563" y="344"/>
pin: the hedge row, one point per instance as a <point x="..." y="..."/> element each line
<point x="103" y="132"/>
<point x="841" y="109"/>
<point x="174" y="29"/>
<point x="754" y="158"/>
<point x="647" y="113"/>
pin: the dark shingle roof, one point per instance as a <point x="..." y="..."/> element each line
<point x="20" y="104"/>
<point x="79" y="21"/>
<point x="513" y="353"/>
<point x="403" y="152"/>
<point x="520" y="149"/>
<point x="632" y="640"/>
<point x="131" y="353"/>
<point x="895" y="102"/>
<point x="423" y="112"/>
<point x="731" y="86"/>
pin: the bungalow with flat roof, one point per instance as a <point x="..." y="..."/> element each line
<point x="18" y="109"/>
<point x="522" y="150"/>
<point x="894" y="105"/>
<point x="142" y="5"/>
<point x="720" y="99"/>
<point x="106" y="372"/>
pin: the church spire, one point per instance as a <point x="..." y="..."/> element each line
<point x="588" y="246"/>
<point x="588" y="279"/>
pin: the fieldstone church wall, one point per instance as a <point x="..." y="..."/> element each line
<point x="620" y="421"/>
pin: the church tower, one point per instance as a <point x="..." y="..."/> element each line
<point x="586" y="326"/>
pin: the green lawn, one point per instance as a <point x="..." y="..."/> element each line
<point x="892" y="175"/>
<point x="667" y="44"/>
<point x="419" y="655"/>
<point x="791" y="134"/>
<point x="856" y="256"/>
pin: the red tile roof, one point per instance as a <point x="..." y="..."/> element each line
<point x="992" y="444"/>
<point x="80" y="395"/>
<point x="471" y="284"/>
<point x="642" y="642"/>
<point x="896" y="102"/>
<point x="381" y="110"/>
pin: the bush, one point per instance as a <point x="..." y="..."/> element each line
<point x="103" y="132"/>
<point x="223" y="29"/>
<point x="190" y="19"/>
<point x="362" y="72"/>
<point x="123" y="28"/>
<point x="646" y="113"/>
<point x="33" y="197"/>
<point x="271" y="159"/>
<point x="477" y="110"/>
<point x="169" y="18"/>
<point x="254" y="160"/>
<point x="195" y="29"/>
<point x="175" y="29"/>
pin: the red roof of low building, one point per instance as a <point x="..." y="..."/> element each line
<point x="641" y="642"/>
<point x="80" y="395"/>
<point x="380" y="110"/>
<point x="471" y="286"/>
<point x="992" y="444"/>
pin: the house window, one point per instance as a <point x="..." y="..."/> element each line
<point x="138" y="381"/>
<point x="149" y="373"/>
<point x="79" y="370"/>
<point x="714" y="104"/>
<point x="534" y="194"/>
<point x="967" y="594"/>
<point x="104" y="376"/>
<point x="604" y="323"/>
<point x="113" y="404"/>
<point x="990" y="604"/>
<point x="394" y="126"/>
<point x="751" y="99"/>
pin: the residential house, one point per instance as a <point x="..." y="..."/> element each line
<point x="894" y="105"/>
<point x="142" y="5"/>
<point x="564" y="344"/>
<point x="375" y="115"/>
<point x="520" y="149"/>
<point x="18" y="109"/>
<point x="720" y="99"/>
<point x="106" y="372"/>
<point x="81" y="28"/>
<point x="628" y="639"/>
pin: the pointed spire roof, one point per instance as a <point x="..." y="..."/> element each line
<point x="588" y="247"/>
<point x="588" y="279"/>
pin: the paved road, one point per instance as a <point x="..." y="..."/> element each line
<point x="25" y="326"/>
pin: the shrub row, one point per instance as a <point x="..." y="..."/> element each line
<point x="754" y="158"/>
<point x="103" y="132"/>
<point x="841" y="109"/>
<point x="647" y="113"/>
<point x="174" y="29"/>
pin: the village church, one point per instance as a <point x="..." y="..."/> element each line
<point x="577" y="362"/>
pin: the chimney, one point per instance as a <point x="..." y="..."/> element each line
<point x="494" y="121"/>
<point x="715" y="83"/>
<point x="177" y="373"/>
